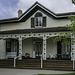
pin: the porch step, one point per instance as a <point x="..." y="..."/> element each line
<point x="58" y="64"/>
<point x="28" y="64"/>
<point x="6" y="63"/>
<point x="35" y="64"/>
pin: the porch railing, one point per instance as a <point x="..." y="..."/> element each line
<point x="11" y="54"/>
<point x="63" y="56"/>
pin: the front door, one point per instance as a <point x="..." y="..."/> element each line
<point x="38" y="50"/>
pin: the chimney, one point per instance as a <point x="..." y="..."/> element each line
<point x="19" y="13"/>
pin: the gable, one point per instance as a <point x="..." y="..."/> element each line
<point x="34" y="10"/>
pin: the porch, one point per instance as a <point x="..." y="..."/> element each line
<point x="32" y="48"/>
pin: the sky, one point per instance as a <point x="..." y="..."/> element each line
<point x="9" y="8"/>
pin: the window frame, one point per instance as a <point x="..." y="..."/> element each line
<point x="39" y="18"/>
<point x="40" y="22"/>
<point x="66" y="48"/>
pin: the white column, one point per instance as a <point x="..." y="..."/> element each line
<point x="44" y="47"/>
<point x="20" y="48"/>
<point x="72" y="50"/>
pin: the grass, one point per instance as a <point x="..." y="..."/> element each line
<point x="58" y="74"/>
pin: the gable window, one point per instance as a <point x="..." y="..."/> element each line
<point x="38" y="21"/>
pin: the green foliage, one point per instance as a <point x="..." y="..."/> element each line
<point x="71" y="28"/>
<point x="72" y="25"/>
<point x="65" y="36"/>
<point x="73" y="1"/>
<point x="58" y="74"/>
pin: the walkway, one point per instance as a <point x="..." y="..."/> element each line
<point x="29" y="72"/>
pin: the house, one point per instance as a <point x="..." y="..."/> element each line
<point x="31" y="35"/>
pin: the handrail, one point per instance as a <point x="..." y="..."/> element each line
<point x="18" y="57"/>
<point x="15" y="60"/>
<point x="73" y="64"/>
<point x="42" y="61"/>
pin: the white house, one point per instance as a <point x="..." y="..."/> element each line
<point x="30" y="35"/>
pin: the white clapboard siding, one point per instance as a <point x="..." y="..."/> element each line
<point x="2" y="49"/>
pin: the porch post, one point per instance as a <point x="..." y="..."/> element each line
<point x="44" y="47"/>
<point x="72" y="50"/>
<point x="20" y="48"/>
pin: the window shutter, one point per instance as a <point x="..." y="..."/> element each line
<point x="44" y="21"/>
<point x="32" y="22"/>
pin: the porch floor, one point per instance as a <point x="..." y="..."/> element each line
<point x="35" y="64"/>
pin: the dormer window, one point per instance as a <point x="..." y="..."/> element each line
<point x="38" y="21"/>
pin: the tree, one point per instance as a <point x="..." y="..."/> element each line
<point x="70" y="27"/>
<point x="73" y="1"/>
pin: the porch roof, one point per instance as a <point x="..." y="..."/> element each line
<point x="35" y="30"/>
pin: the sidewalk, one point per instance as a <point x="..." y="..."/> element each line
<point x="29" y="72"/>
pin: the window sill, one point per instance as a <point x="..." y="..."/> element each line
<point x="38" y="27"/>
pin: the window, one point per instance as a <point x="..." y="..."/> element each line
<point x="38" y="20"/>
<point x="66" y="48"/>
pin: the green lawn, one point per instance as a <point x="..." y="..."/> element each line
<point x="58" y="74"/>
